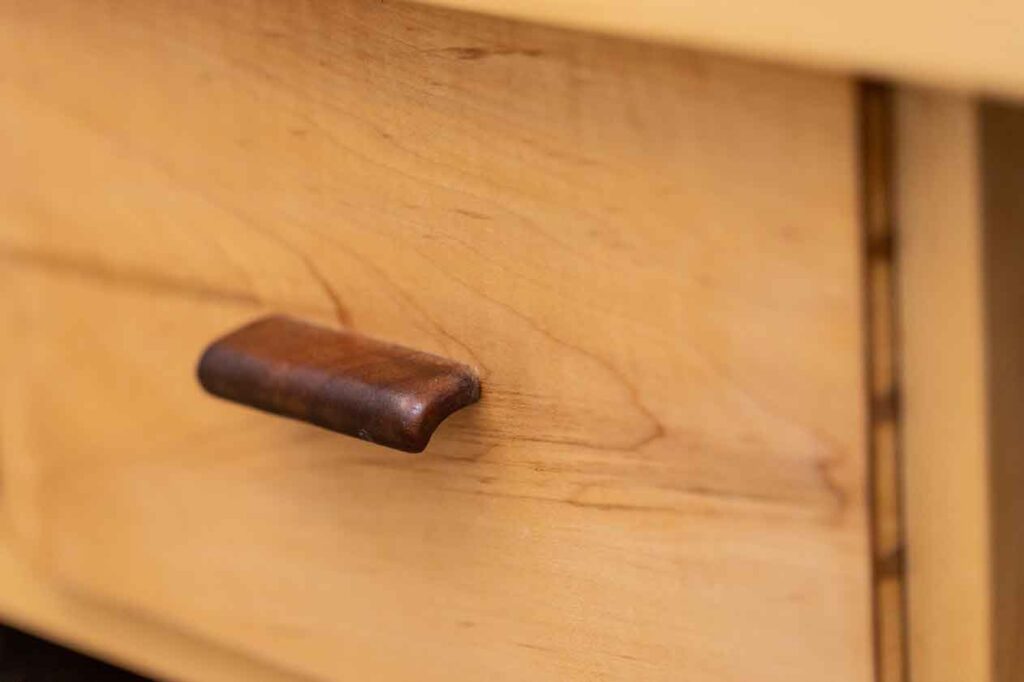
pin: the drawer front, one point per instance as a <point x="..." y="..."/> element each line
<point x="649" y="255"/>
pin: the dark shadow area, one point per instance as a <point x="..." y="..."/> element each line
<point x="24" y="658"/>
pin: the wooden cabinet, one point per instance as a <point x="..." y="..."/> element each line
<point x="654" y="258"/>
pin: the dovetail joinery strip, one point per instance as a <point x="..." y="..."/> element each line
<point x="884" y="414"/>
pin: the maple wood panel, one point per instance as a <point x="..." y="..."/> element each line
<point x="901" y="40"/>
<point x="962" y="292"/>
<point x="32" y="601"/>
<point x="650" y="256"/>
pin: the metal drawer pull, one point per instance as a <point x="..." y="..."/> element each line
<point x="339" y="380"/>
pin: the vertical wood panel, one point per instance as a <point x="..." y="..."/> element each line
<point x="944" y="403"/>
<point x="1002" y="149"/>
<point x="962" y="259"/>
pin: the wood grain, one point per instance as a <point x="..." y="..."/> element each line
<point x="497" y="557"/>
<point x="902" y="40"/>
<point x="32" y="602"/>
<point x="651" y="257"/>
<point x="384" y="394"/>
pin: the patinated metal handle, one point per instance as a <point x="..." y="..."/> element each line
<point x="339" y="380"/>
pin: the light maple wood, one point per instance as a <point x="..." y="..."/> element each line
<point x="650" y="255"/>
<point x="962" y="262"/>
<point x="31" y="601"/>
<point x="488" y="556"/>
<point x="952" y="43"/>
<point x="944" y="427"/>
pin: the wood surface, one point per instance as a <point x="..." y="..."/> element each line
<point x="944" y="406"/>
<point x="32" y="602"/>
<point x="944" y="389"/>
<point x="651" y="256"/>
<point x="962" y="44"/>
<point x="345" y="382"/>
<point x="1001" y="142"/>
<point x="962" y="289"/>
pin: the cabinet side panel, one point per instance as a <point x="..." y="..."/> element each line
<point x="1002" y="148"/>
<point x="944" y="406"/>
